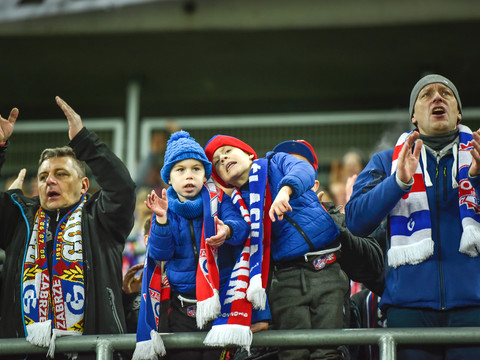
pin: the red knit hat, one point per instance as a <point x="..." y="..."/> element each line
<point x="300" y="147"/>
<point x="225" y="140"/>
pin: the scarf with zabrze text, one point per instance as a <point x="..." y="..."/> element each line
<point x="411" y="233"/>
<point x="248" y="281"/>
<point x="53" y="304"/>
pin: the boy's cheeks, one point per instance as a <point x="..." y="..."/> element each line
<point x="187" y="178"/>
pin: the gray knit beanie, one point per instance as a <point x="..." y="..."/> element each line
<point x="182" y="146"/>
<point x="431" y="79"/>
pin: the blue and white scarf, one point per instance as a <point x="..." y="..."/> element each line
<point x="249" y="277"/>
<point x="410" y="223"/>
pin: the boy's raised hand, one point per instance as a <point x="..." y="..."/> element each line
<point x="281" y="203"/>
<point x="158" y="205"/>
<point x="223" y="233"/>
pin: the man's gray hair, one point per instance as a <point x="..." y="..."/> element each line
<point x="64" y="151"/>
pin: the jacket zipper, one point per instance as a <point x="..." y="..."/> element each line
<point x="440" y="270"/>
<point x="445" y="183"/>
<point x="111" y="297"/>
<point x="194" y="242"/>
<point x="299" y="229"/>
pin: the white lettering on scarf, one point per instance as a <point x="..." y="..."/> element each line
<point x="43" y="297"/>
<point x="58" y="304"/>
<point x="237" y="288"/>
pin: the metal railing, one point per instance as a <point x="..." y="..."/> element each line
<point x="386" y="339"/>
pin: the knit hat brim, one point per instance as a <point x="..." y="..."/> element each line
<point x="182" y="146"/>
<point x="217" y="142"/>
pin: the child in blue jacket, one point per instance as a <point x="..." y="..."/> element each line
<point x="177" y="229"/>
<point x="308" y="287"/>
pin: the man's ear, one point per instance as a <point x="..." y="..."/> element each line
<point x="459" y="118"/>
<point x="316" y="186"/>
<point x="414" y="122"/>
<point x="85" y="185"/>
<point x="250" y="156"/>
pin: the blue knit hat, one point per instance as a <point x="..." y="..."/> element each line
<point x="182" y="146"/>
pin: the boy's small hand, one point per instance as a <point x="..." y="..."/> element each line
<point x="281" y="204"/>
<point x="259" y="326"/>
<point x="158" y="205"/>
<point x="132" y="283"/>
<point x="223" y="233"/>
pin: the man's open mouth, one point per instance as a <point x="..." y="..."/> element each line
<point x="52" y="194"/>
<point x="438" y="111"/>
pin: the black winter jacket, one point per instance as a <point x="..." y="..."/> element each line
<point x="361" y="258"/>
<point x="107" y="219"/>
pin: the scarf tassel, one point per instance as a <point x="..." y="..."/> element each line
<point x="470" y="242"/>
<point x="410" y="254"/>
<point x="208" y="309"/>
<point x="150" y="349"/>
<point x="222" y="335"/>
<point x="39" y="334"/>
<point x="256" y="293"/>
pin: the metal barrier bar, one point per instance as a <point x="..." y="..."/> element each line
<point x="386" y="339"/>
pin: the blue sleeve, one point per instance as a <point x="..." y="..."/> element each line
<point x="375" y="194"/>
<point x="161" y="244"/>
<point x="231" y="216"/>
<point x="262" y="315"/>
<point x="296" y="173"/>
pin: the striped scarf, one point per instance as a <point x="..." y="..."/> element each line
<point x="155" y="288"/>
<point x="54" y="303"/>
<point x="249" y="277"/>
<point x="411" y="233"/>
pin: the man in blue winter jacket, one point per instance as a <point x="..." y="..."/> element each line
<point x="427" y="186"/>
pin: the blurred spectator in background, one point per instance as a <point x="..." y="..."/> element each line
<point x="340" y="172"/>
<point x="132" y="285"/>
<point x="148" y="172"/>
<point x="135" y="246"/>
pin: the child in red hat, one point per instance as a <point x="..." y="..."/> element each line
<point x="308" y="286"/>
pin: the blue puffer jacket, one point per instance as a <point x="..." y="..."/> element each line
<point x="307" y="216"/>
<point x="173" y="243"/>
<point x="447" y="279"/>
